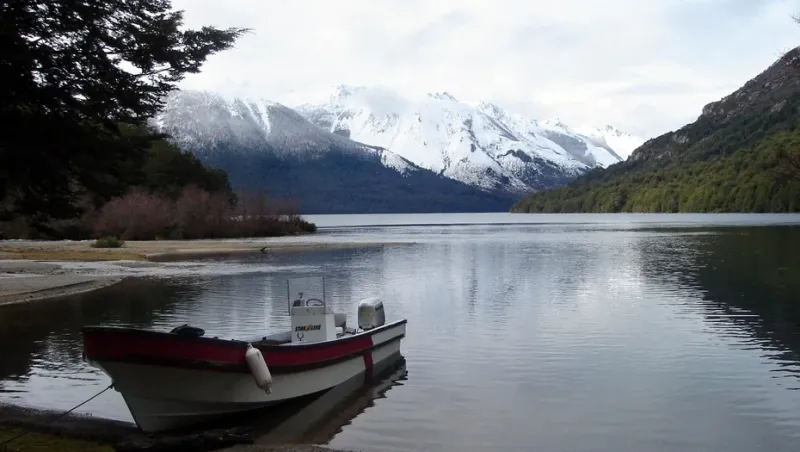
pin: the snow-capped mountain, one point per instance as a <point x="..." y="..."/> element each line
<point x="372" y="150"/>
<point x="622" y="143"/>
<point x="479" y="144"/>
<point x="204" y="122"/>
<point x="266" y="145"/>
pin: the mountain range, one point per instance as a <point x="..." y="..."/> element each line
<point x="742" y="154"/>
<point x="372" y="150"/>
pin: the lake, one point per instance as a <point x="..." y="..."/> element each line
<point x="525" y="332"/>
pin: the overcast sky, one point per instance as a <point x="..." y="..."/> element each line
<point x="644" y="66"/>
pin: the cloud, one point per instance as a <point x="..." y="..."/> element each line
<point x="646" y="67"/>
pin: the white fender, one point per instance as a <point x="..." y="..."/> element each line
<point x="258" y="367"/>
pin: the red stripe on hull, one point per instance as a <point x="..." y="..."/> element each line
<point x="368" y="366"/>
<point x="122" y="345"/>
<point x="111" y="345"/>
<point x="295" y="355"/>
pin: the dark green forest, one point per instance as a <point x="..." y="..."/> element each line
<point x="77" y="158"/>
<point x="741" y="155"/>
<point x="750" y="180"/>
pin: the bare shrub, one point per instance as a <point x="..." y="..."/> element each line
<point x="261" y="216"/>
<point x="198" y="214"/>
<point x="135" y="216"/>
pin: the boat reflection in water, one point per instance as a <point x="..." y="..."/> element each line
<point x="317" y="419"/>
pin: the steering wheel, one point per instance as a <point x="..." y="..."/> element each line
<point x="315" y="301"/>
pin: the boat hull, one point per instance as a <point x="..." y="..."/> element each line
<point x="166" y="396"/>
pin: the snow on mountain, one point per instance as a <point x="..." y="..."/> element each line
<point x="622" y="143"/>
<point x="479" y="144"/>
<point x="383" y="150"/>
<point x="204" y="122"/>
<point x="267" y="146"/>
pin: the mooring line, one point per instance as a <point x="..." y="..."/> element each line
<point x="4" y="442"/>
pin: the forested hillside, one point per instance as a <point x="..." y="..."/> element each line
<point x="741" y="155"/>
<point x="77" y="159"/>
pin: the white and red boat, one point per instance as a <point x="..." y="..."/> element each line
<point x="179" y="378"/>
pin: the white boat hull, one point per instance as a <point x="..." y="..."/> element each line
<point x="162" y="397"/>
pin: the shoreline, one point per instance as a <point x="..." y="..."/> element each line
<point x="77" y="432"/>
<point x="23" y="281"/>
<point x="37" y="270"/>
<point x="161" y="250"/>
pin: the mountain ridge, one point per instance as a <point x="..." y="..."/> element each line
<point x="477" y="156"/>
<point x="263" y="145"/>
<point x="468" y="139"/>
<point x="728" y="159"/>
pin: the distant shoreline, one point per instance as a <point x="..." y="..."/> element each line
<point x="158" y="250"/>
<point x="35" y="271"/>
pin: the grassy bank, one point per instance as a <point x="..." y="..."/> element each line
<point x="41" y="442"/>
<point x="33" y="441"/>
<point x="43" y="430"/>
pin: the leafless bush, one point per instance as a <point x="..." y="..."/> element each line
<point x="198" y="214"/>
<point x="135" y="216"/>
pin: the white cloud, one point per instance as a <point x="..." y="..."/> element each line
<point x="643" y="66"/>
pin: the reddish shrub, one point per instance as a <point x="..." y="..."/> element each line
<point x="198" y="214"/>
<point x="135" y="216"/>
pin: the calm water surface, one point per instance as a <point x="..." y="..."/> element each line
<point x="555" y="333"/>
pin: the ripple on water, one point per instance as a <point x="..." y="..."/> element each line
<point x="558" y="337"/>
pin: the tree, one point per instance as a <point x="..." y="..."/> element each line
<point x="789" y="159"/>
<point x="74" y="71"/>
<point x="788" y="168"/>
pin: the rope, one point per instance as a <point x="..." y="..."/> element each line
<point x="3" y="443"/>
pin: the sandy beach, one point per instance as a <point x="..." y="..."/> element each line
<point x="36" y="270"/>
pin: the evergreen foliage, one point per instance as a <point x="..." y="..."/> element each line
<point x="80" y="80"/>
<point x="741" y="155"/>
<point x="345" y="182"/>
<point x="744" y="182"/>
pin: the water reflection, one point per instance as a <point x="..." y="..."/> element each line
<point x="563" y="337"/>
<point x="41" y="347"/>
<point x="49" y="331"/>
<point x="318" y="420"/>
<point x="750" y="285"/>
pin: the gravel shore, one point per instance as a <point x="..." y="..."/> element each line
<point x="161" y="250"/>
<point x="22" y="281"/>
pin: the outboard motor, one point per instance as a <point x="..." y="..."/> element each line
<point x="370" y="313"/>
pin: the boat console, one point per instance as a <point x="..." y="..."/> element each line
<point x="313" y="324"/>
<point x="312" y="320"/>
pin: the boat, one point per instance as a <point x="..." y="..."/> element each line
<point x="180" y="378"/>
